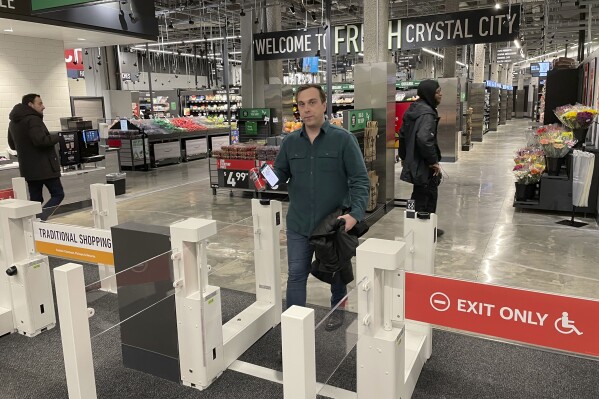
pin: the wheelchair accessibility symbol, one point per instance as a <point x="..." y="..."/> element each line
<point x="565" y="325"/>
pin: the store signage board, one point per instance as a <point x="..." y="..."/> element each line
<point x="251" y="128"/>
<point x="537" y="318"/>
<point x="457" y="29"/>
<point x="235" y="164"/>
<point x="288" y="44"/>
<point x="37" y="5"/>
<point x="76" y="243"/>
<point x="507" y="55"/>
<point x="357" y="119"/>
<point x="234" y="178"/>
<point x="254" y="113"/>
<point x="487" y="25"/>
<point x="408" y="84"/>
<point x="21" y="7"/>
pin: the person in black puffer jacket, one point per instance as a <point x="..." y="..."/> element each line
<point x="38" y="161"/>
<point x="418" y="147"/>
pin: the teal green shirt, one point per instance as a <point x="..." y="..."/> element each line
<point x="323" y="176"/>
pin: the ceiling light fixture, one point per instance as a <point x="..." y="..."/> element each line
<point x="497" y="6"/>
<point x="81" y="39"/>
<point x="8" y="30"/>
<point x="517" y="43"/>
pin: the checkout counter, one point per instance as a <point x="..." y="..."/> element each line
<point x="83" y="160"/>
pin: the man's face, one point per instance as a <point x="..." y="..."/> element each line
<point x="38" y="105"/>
<point x="311" y="108"/>
<point x="438" y="96"/>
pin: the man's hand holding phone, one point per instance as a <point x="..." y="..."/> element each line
<point x="269" y="175"/>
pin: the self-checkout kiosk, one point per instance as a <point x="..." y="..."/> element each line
<point x="79" y="143"/>
<point x="26" y="301"/>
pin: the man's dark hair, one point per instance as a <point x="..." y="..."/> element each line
<point x="323" y="96"/>
<point x="29" y="98"/>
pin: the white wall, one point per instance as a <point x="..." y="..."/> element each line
<point x="160" y="81"/>
<point x="77" y="88"/>
<point x="32" y="65"/>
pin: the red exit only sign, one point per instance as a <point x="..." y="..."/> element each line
<point x="554" y="321"/>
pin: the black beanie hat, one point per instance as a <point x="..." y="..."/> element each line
<point x="426" y="91"/>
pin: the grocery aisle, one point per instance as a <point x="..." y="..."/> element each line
<point x="486" y="239"/>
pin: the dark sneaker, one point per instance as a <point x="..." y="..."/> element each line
<point x="335" y="320"/>
<point x="440" y="232"/>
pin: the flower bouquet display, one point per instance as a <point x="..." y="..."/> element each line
<point x="556" y="144"/>
<point x="578" y="118"/>
<point x="530" y="164"/>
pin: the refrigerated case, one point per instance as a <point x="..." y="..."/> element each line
<point x="165" y="104"/>
<point x="211" y="103"/>
<point x="477" y="101"/>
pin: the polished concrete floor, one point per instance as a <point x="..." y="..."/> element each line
<point x="486" y="239"/>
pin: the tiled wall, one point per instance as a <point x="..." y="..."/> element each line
<point x="32" y="65"/>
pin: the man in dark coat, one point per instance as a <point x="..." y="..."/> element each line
<point x="326" y="171"/>
<point x="418" y="147"/>
<point x="38" y="161"/>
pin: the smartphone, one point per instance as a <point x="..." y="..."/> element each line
<point x="269" y="175"/>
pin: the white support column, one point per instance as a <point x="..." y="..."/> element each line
<point x="267" y="254"/>
<point x="19" y="188"/>
<point x="299" y="357"/>
<point x="105" y="216"/>
<point x="74" y="331"/>
<point x="26" y="301"/>
<point x="198" y="305"/>
<point x="381" y="352"/>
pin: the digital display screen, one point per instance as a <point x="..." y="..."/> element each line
<point x="539" y="69"/>
<point x="91" y="136"/>
<point x="310" y="64"/>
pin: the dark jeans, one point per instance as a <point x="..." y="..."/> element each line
<point x="426" y="198"/>
<point x="54" y="186"/>
<point x="299" y="258"/>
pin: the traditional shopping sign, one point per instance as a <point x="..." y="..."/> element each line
<point x="487" y="25"/>
<point x="76" y="243"/>
<point x="553" y="321"/>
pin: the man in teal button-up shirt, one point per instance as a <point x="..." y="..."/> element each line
<point x="326" y="171"/>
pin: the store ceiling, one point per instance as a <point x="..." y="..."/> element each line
<point x="72" y="38"/>
<point x="546" y="26"/>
